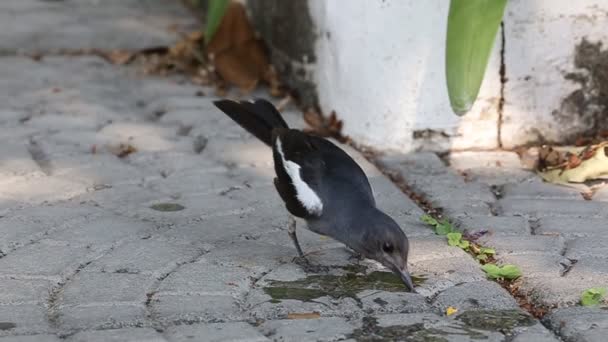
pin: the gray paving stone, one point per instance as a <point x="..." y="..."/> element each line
<point x="216" y="332"/>
<point x="601" y="194"/>
<point x="85" y="290"/>
<point x="16" y="160"/>
<point x="46" y="260"/>
<point x="496" y="225"/>
<point x="588" y="247"/>
<point x="525" y="245"/>
<point x="554" y="207"/>
<point x="146" y="256"/>
<point x="579" y="323"/>
<point x="493" y="168"/>
<point x="572" y="226"/>
<point x="535" y="188"/>
<point x="86" y="24"/>
<point x="174" y="309"/>
<point x="431" y="326"/>
<point x="30" y="338"/>
<point x="26" y="320"/>
<point x="322" y="329"/>
<point x="536" y="333"/>
<point x="118" y="335"/>
<point x="382" y="302"/>
<point x="113" y="316"/>
<point x="24" y="291"/>
<point x="477" y="295"/>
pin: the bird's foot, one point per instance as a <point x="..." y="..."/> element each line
<point x="308" y="267"/>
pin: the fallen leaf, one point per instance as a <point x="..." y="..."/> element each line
<point x="451" y="310"/>
<point x="303" y="315"/>
<point x="122" y="150"/>
<point x="119" y="57"/>
<point x="574" y="164"/>
<point x="235" y="52"/>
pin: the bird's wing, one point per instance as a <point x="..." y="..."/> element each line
<point x="299" y="168"/>
<point x="312" y="170"/>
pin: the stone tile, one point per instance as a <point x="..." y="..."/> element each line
<point x="554" y="207"/>
<point x="88" y="24"/>
<point x="24" y="291"/>
<point x="43" y="259"/>
<point x="382" y="302"/>
<point x="572" y="226"/>
<point x="579" y="323"/>
<point x="536" y="333"/>
<point x="146" y="256"/>
<point x="537" y="189"/>
<point x="85" y="290"/>
<point x="30" y="338"/>
<point x="24" y="320"/>
<point x="479" y="295"/>
<point x="496" y="225"/>
<point x="190" y="308"/>
<point x="118" y="335"/>
<point x="588" y="247"/>
<point x="525" y="245"/>
<point x="113" y="316"/>
<point x="322" y="329"/>
<point x="216" y="332"/>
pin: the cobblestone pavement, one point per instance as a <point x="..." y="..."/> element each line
<point x="131" y="209"/>
<point x="556" y="236"/>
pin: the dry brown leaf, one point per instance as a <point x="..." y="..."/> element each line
<point x="120" y="57"/>
<point x="122" y="150"/>
<point x="237" y="55"/>
<point x="303" y="315"/>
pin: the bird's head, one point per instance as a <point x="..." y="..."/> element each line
<point x="386" y="243"/>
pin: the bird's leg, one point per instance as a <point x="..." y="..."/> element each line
<point x="292" y="234"/>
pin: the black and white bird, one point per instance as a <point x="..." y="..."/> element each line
<point x="323" y="185"/>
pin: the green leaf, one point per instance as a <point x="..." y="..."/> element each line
<point x="471" y="31"/>
<point x="593" y="296"/>
<point x="491" y="270"/>
<point x="464" y="244"/>
<point x="443" y="228"/>
<point x="428" y="219"/>
<point x="215" y="13"/>
<point x="482" y="257"/>
<point x="486" y="250"/>
<point x="501" y="272"/>
<point x="454" y="239"/>
<point x="510" y="272"/>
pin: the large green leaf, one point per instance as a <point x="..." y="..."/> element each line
<point x="472" y="28"/>
<point x="215" y="13"/>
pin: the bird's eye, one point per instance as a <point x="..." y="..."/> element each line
<point x="387" y="247"/>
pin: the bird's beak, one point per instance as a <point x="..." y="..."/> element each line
<point x="404" y="274"/>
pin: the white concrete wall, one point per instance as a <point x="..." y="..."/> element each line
<point x="380" y="66"/>
<point x="541" y="36"/>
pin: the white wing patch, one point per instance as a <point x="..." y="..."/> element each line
<point x="307" y="196"/>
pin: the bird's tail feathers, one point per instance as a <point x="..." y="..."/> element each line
<point x="258" y="118"/>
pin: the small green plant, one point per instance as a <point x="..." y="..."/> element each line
<point x="508" y="272"/>
<point x="593" y="296"/>
<point x="442" y="227"/>
<point x="484" y="253"/>
<point x="455" y="239"/>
